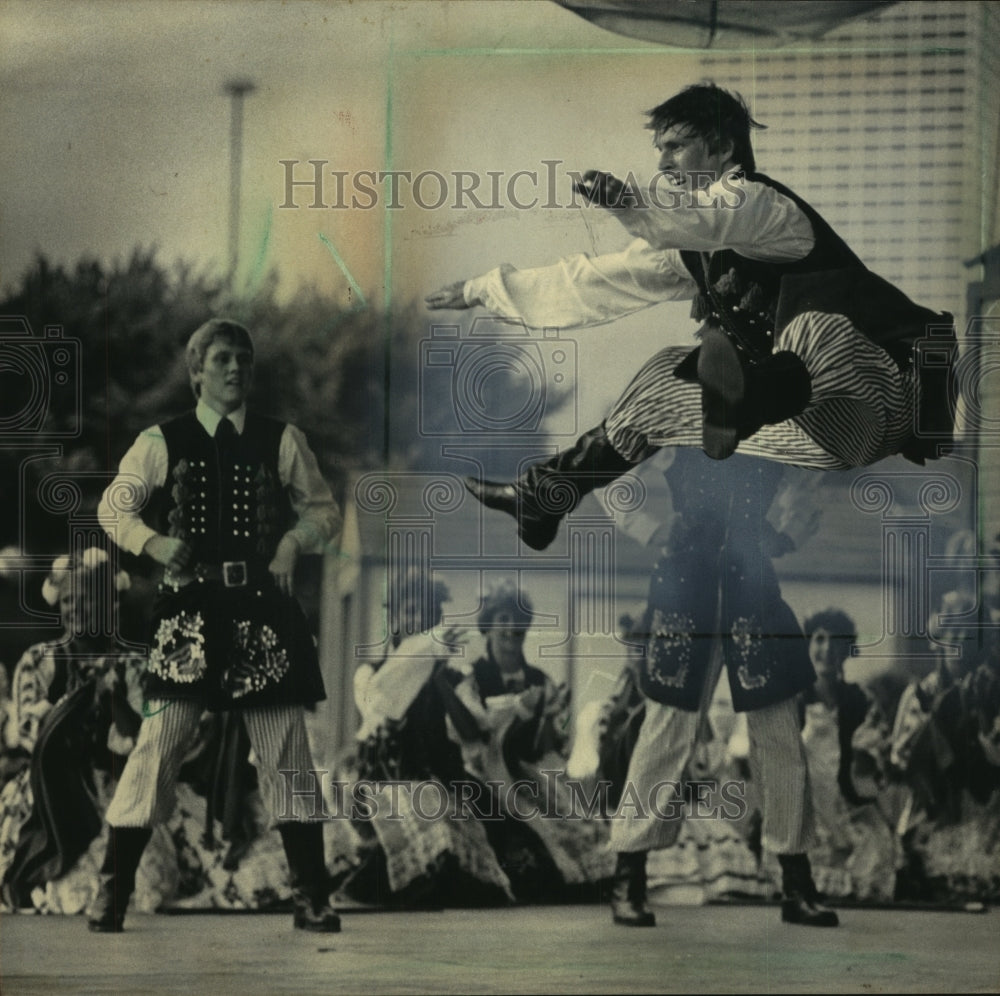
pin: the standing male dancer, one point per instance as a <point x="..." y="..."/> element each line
<point x="805" y="356"/>
<point x="714" y="599"/>
<point x="229" y="499"/>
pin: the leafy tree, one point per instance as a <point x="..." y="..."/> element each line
<point x="350" y="378"/>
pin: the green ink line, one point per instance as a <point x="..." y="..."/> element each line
<point x="662" y="49"/>
<point x="256" y="276"/>
<point x="147" y="712"/>
<point x="340" y="555"/>
<point x="343" y="269"/>
<point x="388" y="166"/>
<point x="387" y="249"/>
<point x="420" y="53"/>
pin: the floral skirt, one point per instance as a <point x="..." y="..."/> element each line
<point x="411" y="850"/>
<point x="232" y="648"/>
<point x="179" y="869"/>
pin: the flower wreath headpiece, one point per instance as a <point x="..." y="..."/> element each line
<point x="63" y="566"/>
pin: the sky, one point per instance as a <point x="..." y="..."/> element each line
<point x="117" y="135"/>
<point x="117" y="127"/>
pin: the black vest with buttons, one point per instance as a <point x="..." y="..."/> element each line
<point x="225" y="500"/>
<point x="747" y="290"/>
<point x="757" y="300"/>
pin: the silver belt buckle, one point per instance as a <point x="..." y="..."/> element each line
<point x="234" y="573"/>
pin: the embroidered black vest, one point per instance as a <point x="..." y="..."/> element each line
<point x="723" y="504"/>
<point x="230" y="506"/>
<point x="758" y="298"/>
<point x="489" y="677"/>
<point x="747" y="290"/>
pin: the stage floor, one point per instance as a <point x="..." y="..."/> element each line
<point x="553" y="949"/>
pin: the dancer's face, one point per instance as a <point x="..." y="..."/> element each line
<point x="79" y="606"/>
<point x="225" y="376"/>
<point x="506" y="640"/>
<point x="683" y="153"/>
<point x="413" y="618"/>
<point x="826" y="653"/>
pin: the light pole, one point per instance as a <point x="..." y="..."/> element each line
<point x="237" y="90"/>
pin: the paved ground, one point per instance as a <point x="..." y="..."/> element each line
<point x="538" y="950"/>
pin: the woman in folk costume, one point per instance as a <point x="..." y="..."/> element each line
<point x="75" y="709"/>
<point x="411" y="849"/>
<point x="522" y="716"/>
<point x="78" y="705"/>
<point x="855" y="853"/>
<point x="945" y="746"/>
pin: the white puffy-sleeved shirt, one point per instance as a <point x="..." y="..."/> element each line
<point x="746" y="216"/>
<point x="145" y="464"/>
<point x="383" y="694"/>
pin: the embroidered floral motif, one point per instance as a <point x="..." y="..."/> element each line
<point x="754" y="299"/>
<point x="262" y="659"/>
<point x="670" y="645"/>
<point x="729" y="284"/>
<point x="178" y="518"/>
<point x="178" y="652"/>
<point x="266" y="489"/>
<point x="746" y="638"/>
<point x="731" y="293"/>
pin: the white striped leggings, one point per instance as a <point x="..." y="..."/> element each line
<point x="779" y="773"/>
<point x="146" y="792"/>
<point x="861" y="409"/>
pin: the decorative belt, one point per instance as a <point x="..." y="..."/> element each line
<point x="232" y="574"/>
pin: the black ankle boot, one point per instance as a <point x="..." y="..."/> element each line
<point x="309" y="878"/>
<point x="800" y="902"/>
<point x="743" y="391"/>
<point x="549" y="490"/>
<point x="628" y="895"/>
<point x="106" y="914"/>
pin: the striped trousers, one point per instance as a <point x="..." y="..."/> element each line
<point x="861" y="409"/>
<point x="666" y="742"/>
<point x="146" y="792"/>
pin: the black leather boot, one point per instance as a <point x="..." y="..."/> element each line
<point x="800" y="902"/>
<point x="106" y="914"/>
<point x="551" y="489"/>
<point x="309" y="878"/>
<point x="743" y="391"/>
<point x="628" y="895"/>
